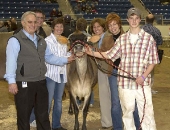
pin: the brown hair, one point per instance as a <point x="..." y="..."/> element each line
<point x="81" y="24"/>
<point x="57" y="21"/>
<point x="38" y="11"/>
<point x="113" y="16"/>
<point x="101" y="22"/>
<point x="150" y="18"/>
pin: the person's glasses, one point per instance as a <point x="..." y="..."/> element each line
<point x="40" y="18"/>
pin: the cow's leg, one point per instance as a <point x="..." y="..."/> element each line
<point x="76" y="111"/>
<point x="85" y="110"/>
<point x="70" y="109"/>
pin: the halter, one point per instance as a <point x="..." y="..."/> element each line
<point x="76" y="43"/>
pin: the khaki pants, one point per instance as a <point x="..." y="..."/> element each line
<point x="127" y="99"/>
<point x="105" y="99"/>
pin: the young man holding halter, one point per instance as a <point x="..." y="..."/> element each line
<point x="138" y="53"/>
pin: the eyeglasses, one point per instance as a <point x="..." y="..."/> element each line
<point x="40" y="18"/>
<point x="31" y="22"/>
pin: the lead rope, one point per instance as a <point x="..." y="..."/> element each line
<point x="123" y="77"/>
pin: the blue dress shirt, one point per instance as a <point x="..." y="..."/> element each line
<point x="12" y="50"/>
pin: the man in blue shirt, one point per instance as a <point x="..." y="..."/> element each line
<point x="149" y="28"/>
<point x="26" y="54"/>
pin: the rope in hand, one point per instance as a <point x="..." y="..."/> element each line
<point x="114" y="74"/>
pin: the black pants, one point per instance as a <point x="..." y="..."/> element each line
<point x="34" y="95"/>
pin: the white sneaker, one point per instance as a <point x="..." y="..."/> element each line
<point x="33" y="124"/>
<point x="91" y="105"/>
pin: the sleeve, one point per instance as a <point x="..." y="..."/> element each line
<point x="51" y="58"/>
<point x="160" y="40"/>
<point x="153" y="55"/>
<point x="12" y="52"/>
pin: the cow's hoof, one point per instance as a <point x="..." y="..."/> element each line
<point x="84" y="128"/>
<point x="75" y="128"/>
<point x="70" y="112"/>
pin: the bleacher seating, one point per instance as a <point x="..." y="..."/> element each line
<point x="157" y="8"/>
<point x="106" y="6"/>
<point x="15" y="8"/>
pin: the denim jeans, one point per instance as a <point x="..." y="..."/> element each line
<point x="116" y="109"/>
<point x="55" y="92"/>
<point x="32" y="116"/>
<point x="92" y="97"/>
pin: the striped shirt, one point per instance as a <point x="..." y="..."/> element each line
<point x="60" y="50"/>
<point x="135" y="58"/>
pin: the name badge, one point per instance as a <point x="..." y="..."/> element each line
<point x="24" y="84"/>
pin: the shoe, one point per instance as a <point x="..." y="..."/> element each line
<point x="106" y="128"/>
<point x="60" y="128"/>
<point x="91" y="105"/>
<point x="33" y="124"/>
<point x="154" y="92"/>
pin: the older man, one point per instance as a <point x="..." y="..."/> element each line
<point x="149" y="28"/>
<point x="25" y="72"/>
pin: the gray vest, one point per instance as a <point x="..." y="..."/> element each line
<point x="31" y="60"/>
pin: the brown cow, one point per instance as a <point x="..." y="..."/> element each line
<point x="82" y="76"/>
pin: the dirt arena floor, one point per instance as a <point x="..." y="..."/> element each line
<point x="161" y="101"/>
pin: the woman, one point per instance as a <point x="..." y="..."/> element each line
<point x="104" y="43"/>
<point x="56" y="75"/>
<point x="114" y="26"/>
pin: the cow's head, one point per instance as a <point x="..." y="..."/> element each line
<point x="77" y="44"/>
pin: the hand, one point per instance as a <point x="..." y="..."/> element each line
<point x="13" y="88"/>
<point x="71" y="58"/>
<point x="88" y="50"/>
<point x="110" y="62"/>
<point x="139" y="80"/>
<point x="94" y="38"/>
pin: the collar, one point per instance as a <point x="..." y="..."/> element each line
<point x="30" y="36"/>
<point x="149" y="24"/>
<point x="140" y="34"/>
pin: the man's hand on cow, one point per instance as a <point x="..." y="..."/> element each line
<point x="71" y="58"/>
<point x="13" y="88"/>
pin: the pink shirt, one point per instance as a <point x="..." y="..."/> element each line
<point x="135" y="57"/>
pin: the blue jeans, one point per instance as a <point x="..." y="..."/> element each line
<point x="92" y="97"/>
<point x="32" y="116"/>
<point x="55" y="91"/>
<point x="116" y="109"/>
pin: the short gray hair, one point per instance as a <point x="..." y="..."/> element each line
<point x="26" y="14"/>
